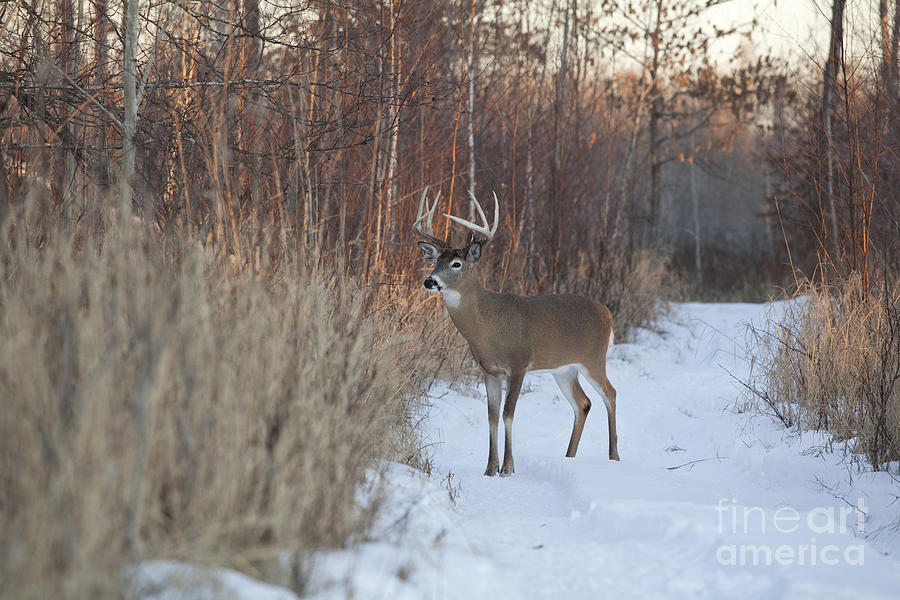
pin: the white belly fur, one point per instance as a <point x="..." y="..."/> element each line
<point x="570" y="372"/>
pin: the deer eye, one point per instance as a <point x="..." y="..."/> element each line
<point x="456" y="265"/>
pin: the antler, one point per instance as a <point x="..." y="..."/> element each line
<point x="488" y="233"/>
<point x="427" y="216"/>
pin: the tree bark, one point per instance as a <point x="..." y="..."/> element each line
<point x="656" y="108"/>
<point x="394" y="115"/>
<point x="829" y="108"/>
<point x="472" y="66"/>
<point x="695" y="205"/>
<point x="129" y="80"/>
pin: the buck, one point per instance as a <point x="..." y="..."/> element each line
<point x="511" y="335"/>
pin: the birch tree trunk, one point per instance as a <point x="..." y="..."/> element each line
<point x="890" y="32"/>
<point x="394" y="115"/>
<point x="472" y="66"/>
<point x="129" y="82"/>
<point x="695" y="205"/>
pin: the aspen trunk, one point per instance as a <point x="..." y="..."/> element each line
<point x="129" y="82"/>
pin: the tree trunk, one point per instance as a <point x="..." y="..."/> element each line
<point x="251" y="50"/>
<point x="67" y="60"/>
<point x="656" y="109"/>
<point x="101" y="166"/>
<point x="886" y="59"/>
<point x="557" y="193"/>
<point x="890" y="36"/>
<point x="829" y="107"/>
<point x="695" y="205"/>
<point x="129" y="80"/>
<point x="472" y="66"/>
<point x="392" y="159"/>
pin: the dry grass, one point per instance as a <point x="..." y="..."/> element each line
<point x="158" y="404"/>
<point x="832" y="362"/>
<point x="635" y="287"/>
<point x="161" y="400"/>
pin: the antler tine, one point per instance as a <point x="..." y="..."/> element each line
<point x="428" y="216"/>
<point x="484" y="229"/>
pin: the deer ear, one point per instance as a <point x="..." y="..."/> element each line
<point x="431" y="252"/>
<point x="474" y="252"/>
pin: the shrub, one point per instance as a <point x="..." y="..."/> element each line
<point x="831" y="362"/>
<point x="156" y="403"/>
<point x="635" y="286"/>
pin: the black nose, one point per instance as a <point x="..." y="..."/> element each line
<point x="430" y="283"/>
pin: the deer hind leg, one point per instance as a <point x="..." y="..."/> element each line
<point x="567" y="380"/>
<point x="597" y="377"/>
<point x="509" y="412"/>
<point x="494" y="387"/>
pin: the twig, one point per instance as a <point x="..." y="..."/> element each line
<point x="89" y="96"/>
<point x="694" y="462"/>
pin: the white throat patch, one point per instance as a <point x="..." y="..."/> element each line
<point x="451" y="297"/>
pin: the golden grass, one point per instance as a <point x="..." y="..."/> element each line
<point x="158" y="404"/>
<point x="832" y="362"/>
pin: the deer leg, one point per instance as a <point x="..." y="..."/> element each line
<point x="494" y="388"/>
<point x="609" y="397"/>
<point x="567" y="380"/>
<point x="602" y="384"/>
<point x="509" y="412"/>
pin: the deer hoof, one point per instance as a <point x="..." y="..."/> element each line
<point x="491" y="471"/>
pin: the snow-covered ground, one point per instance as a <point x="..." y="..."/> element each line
<point x="707" y="502"/>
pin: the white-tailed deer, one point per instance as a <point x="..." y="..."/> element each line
<point x="510" y="335"/>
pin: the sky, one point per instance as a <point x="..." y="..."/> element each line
<point x="798" y="30"/>
<point x="791" y="29"/>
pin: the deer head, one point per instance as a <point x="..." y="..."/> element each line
<point x="452" y="266"/>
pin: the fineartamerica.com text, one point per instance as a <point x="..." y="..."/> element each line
<point x="791" y="525"/>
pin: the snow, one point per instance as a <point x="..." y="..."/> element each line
<point x="173" y="580"/>
<point x="702" y="491"/>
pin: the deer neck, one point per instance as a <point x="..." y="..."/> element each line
<point x="466" y="294"/>
<point x="466" y="310"/>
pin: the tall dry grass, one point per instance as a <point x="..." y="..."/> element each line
<point x="159" y="402"/>
<point x="832" y="362"/>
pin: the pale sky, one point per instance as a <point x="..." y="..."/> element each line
<point x="788" y="28"/>
<point x="799" y="29"/>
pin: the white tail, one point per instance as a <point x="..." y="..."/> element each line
<point x="510" y="335"/>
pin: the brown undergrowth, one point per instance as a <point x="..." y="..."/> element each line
<point x="160" y="401"/>
<point x="829" y="359"/>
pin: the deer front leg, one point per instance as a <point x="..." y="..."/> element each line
<point x="509" y="412"/>
<point x="494" y="386"/>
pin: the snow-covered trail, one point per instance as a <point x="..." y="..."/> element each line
<point x="701" y="494"/>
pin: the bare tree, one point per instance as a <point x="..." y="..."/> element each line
<point x="833" y="66"/>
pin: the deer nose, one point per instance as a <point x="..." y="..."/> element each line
<point x="430" y="283"/>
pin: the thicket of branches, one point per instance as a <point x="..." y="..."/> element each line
<point x="319" y="124"/>
<point x="836" y="153"/>
<point x="832" y="360"/>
